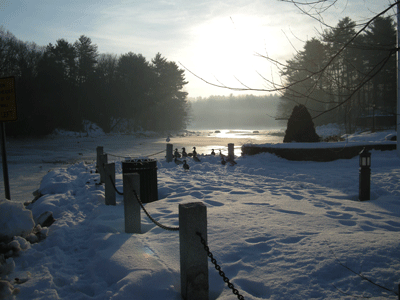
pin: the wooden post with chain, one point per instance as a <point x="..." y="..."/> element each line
<point x="193" y="258"/>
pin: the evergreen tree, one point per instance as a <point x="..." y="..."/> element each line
<point x="170" y="99"/>
<point x="305" y="85"/>
<point x="135" y="79"/>
<point x="343" y="73"/>
<point x="105" y="91"/>
<point x="64" y="84"/>
<point x="381" y="40"/>
<point x="86" y="58"/>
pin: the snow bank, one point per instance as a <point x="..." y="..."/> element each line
<point x="328" y="130"/>
<point x="15" y="219"/>
<point x="89" y="128"/>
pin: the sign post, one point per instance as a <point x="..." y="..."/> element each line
<point x="8" y="112"/>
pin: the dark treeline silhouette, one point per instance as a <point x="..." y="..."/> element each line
<point x="234" y="112"/>
<point x="61" y="85"/>
<point x="344" y="84"/>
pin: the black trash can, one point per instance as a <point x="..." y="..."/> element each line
<point x="147" y="170"/>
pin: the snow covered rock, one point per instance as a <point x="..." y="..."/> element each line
<point x="7" y="266"/>
<point x="7" y="289"/>
<point x="45" y="219"/>
<point x="15" y="219"/>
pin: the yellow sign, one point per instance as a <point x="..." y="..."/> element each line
<point x="8" y="103"/>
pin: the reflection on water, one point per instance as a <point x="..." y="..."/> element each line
<point x="249" y="134"/>
<point x="207" y="140"/>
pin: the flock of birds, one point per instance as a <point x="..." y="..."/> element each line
<point x="194" y="156"/>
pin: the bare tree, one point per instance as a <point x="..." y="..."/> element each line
<point x="350" y="82"/>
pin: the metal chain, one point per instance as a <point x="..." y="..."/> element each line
<point x="141" y="205"/>
<point x="115" y="188"/>
<point x="218" y="268"/>
<point x="151" y="218"/>
<point x="114" y="155"/>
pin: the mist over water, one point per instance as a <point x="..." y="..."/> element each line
<point x="247" y="112"/>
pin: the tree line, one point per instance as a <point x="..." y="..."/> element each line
<point x="234" y="112"/>
<point x="344" y="73"/>
<point x="61" y="85"/>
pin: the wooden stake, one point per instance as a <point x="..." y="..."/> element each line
<point x="169" y="152"/>
<point x="109" y="183"/>
<point x="193" y="257"/>
<point x="102" y="163"/>
<point x="132" y="207"/>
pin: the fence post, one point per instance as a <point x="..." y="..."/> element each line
<point x="131" y="181"/>
<point x="109" y="170"/>
<point x="193" y="257"/>
<point x="231" y="151"/>
<point x="99" y="151"/>
<point x="102" y="163"/>
<point x="169" y="152"/>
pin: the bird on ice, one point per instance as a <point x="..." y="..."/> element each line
<point x="177" y="161"/>
<point x="184" y="154"/>
<point x="231" y="161"/>
<point x="168" y="139"/>
<point x="176" y="153"/>
<point x="212" y="152"/>
<point x="194" y="153"/>
<point x="185" y="165"/>
<point x="223" y="162"/>
<point x="195" y="158"/>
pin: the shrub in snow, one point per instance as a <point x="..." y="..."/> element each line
<point x="15" y="219"/>
<point x="300" y="127"/>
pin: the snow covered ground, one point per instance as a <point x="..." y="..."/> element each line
<point x="279" y="229"/>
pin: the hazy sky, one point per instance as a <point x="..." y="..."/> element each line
<point x="215" y="39"/>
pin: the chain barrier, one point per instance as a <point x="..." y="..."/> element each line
<point x="115" y="188"/>
<point x="115" y="155"/>
<point x="218" y="268"/>
<point x="151" y="218"/>
<point x="142" y="206"/>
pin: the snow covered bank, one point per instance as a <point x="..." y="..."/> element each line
<point x="278" y="229"/>
<point x="327" y="151"/>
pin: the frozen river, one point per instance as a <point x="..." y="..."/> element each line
<point x="30" y="159"/>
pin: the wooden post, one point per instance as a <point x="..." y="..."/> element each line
<point x="132" y="208"/>
<point x="4" y="161"/>
<point x="99" y="151"/>
<point x="231" y="151"/>
<point x="102" y="163"/>
<point x="109" y="170"/>
<point x="169" y="152"/>
<point x="193" y="257"/>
